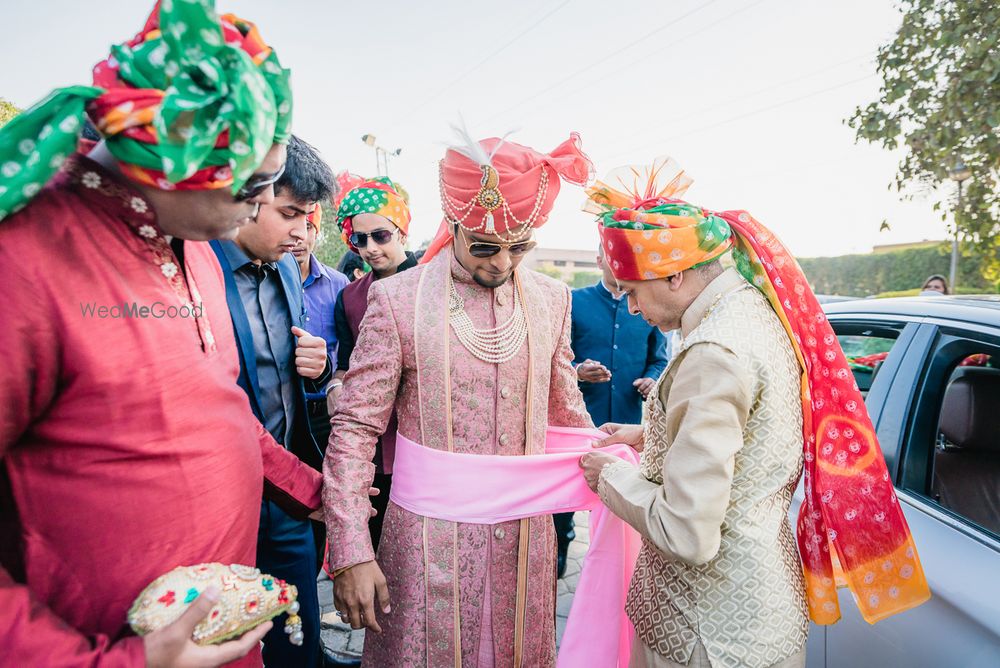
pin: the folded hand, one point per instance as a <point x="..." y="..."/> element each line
<point x="629" y="434"/>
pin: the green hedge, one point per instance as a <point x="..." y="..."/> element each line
<point x="916" y="291"/>
<point x="584" y="279"/>
<point x="874" y="274"/>
<point x="330" y="247"/>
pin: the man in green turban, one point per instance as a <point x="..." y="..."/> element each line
<point x="127" y="447"/>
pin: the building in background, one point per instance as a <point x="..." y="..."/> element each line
<point x="578" y="268"/>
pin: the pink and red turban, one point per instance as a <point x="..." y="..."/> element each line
<point x="499" y="187"/>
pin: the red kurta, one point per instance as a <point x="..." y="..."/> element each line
<point x="128" y="449"/>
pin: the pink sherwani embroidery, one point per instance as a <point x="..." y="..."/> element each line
<point x="439" y="572"/>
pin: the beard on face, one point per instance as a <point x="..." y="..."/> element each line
<point x="491" y="283"/>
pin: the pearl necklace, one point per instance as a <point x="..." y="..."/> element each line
<point x="493" y="346"/>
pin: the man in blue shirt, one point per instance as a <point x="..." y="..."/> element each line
<point x="618" y="358"/>
<point x="280" y="363"/>
<point x="321" y="284"/>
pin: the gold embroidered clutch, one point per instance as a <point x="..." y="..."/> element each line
<point x="248" y="598"/>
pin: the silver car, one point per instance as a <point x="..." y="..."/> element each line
<point x="930" y="370"/>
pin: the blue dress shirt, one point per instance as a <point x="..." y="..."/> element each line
<point x="267" y="311"/>
<point x="321" y="288"/>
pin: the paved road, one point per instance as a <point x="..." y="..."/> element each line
<point x="343" y="646"/>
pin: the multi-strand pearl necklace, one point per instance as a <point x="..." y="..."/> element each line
<point x="496" y="345"/>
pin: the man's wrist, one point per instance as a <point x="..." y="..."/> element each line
<point x="607" y="471"/>
<point x="334" y="384"/>
<point x="334" y="572"/>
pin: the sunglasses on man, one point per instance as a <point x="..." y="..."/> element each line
<point x="484" y="249"/>
<point x="257" y="184"/>
<point x="381" y="237"/>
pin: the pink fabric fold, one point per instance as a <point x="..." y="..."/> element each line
<point x="570" y="162"/>
<point x="598" y="633"/>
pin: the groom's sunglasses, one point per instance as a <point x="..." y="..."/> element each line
<point x="483" y="249"/>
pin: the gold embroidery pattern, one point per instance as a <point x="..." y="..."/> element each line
<point x="747" y="605"/>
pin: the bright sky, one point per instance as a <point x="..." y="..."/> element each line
<point x="749" y="96"/>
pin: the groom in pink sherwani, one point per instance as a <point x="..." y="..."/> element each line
<point x="473" y="354"/>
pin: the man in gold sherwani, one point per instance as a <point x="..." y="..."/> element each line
<point x="473" y="353"/>
<point x="756" y="384"/>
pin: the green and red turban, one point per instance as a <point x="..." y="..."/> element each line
<point x="850" y="515"/>
<point x="379" y="196"/>
<point x="193" y="102"/>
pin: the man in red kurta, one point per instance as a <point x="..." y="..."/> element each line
<point x="127" y="446"/>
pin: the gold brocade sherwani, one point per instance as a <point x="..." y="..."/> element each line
<point x="723" y="455"/>
<point x="439" y="572"/>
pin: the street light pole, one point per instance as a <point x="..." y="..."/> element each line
<point x="381" y="155"/>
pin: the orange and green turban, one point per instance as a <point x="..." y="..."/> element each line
<point x="645" y="231"/>
<point x="380" y="196"/>
<point x="193" y="102"/>
<point x="850" y="515"/>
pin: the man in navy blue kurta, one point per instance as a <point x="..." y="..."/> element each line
<point x="633" y="351"/>
<point x="618" y="357"/>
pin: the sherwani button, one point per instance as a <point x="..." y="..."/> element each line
<point x="505" y="392"/>
<point x="499" y="533"/>
<point x="500" y="299"/>
<point x="503" y="439"/>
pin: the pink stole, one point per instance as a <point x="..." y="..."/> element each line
<point x="487" y="489"/>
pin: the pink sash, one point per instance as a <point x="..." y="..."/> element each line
<point x="487" y="489"/>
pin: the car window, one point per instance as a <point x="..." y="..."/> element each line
<point x="865" y="355"/>
<point x="866" y="346"/>
<point x="953" y="455"/>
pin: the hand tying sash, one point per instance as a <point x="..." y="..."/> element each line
<point x="435" y="483"/>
